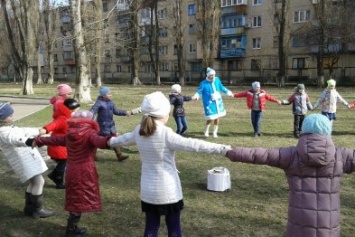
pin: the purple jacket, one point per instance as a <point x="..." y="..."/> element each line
<point x="313" y="169"/>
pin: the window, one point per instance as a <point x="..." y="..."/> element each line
<point x="255" y="64"/>
<point x="298" y="63"/>
<point x="107" y="53"/>
<point x="299" y="40"/>
<point x="129" y="68"/>
<point x="118" y="53"/>
<point x="64" y="70"/>
<point x="68" y="42"/>
<point x="162" y="14"/>
<point x="67" y="55"/>
<point x="191" y="9"/>
<point x="301" y="16"/>
<point x="163" y="50"/>
<point x="226" y="3"/>
<point x="196" y="66"/>
<point x="175" y="49"/>
<point x="275" y="42"/>
<point x="107" y="68"/>
<point x="145" y="13"/>
<point x="257" y="21"/>
<point x="118" y="68"/>
<point x="163" y="66"/>
<point x="105" y="6"/>
<point x="192" y="29"/>
<point x="55" y="58"/>
<point x="192" y="48"/>
<point x="256" y="43"/>
<point x="163" y="32"/>
<point x="144" y="50"/>
<point x="257" y="2"/>
<point x="235" y="65"/>
<point x="231" y="43"/>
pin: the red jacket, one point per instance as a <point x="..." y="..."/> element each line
<point x="58" y="127"/>
<point x="263" y="96"/>
<point x="82" y="193"/>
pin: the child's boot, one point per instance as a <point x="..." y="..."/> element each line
<point x="72" y="227"/>
<point x="28" y="210"/>
<point x="58" y="178"/>
<point x="215" y="131"/>
<point x="119" y="155"/>
<point x="207" y="131"/>
<point x="37" y="209"/>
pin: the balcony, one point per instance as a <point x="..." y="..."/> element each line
<point x="233" y="31"/>
<point x="330" y="48"/>
<point x="69" y="61"/>
<point x="232" y="53"/>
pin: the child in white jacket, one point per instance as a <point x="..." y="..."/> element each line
<point x="26" y="162"/>
<point x="161" y="192"/>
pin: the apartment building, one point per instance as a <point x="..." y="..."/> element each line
<point x="247" y="45"/>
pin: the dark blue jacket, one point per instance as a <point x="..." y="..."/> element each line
<point x="105" y="109"/>
<point x="177" y="101"/>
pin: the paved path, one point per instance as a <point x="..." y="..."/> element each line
<point x="25" y="106"/>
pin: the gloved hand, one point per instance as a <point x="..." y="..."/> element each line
<point x="29" y="142"/>
<point x="136" y="111"/>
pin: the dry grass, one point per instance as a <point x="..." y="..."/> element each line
<point x="255" y="206"/>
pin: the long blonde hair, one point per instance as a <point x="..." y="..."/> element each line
<point x="148" y="126"/>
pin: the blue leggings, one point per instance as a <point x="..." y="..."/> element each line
<point x="152" y="224"/>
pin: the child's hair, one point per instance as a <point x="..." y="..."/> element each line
<point x="148" y="126"/>
<point x="176" y="88"/>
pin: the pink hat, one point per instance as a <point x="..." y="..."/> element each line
<point x="64" y="89"/>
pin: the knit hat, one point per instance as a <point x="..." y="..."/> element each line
<point x="71" y="104"/>
<point x="64" y="89"/>
<point x="255" y="85"/>
<point x="104" y="91"/>
<point x="155" y="105"/>
<point x="5" y="110"/>
<point x="210" y="71"/>
<point x="176" y="88"/>
<point x="331" y="82"/>
<point x="300" y="87"/>
<point x="318" y="124"/>
<point x="83" y="114"/>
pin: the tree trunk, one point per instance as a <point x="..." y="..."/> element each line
<point x="82" y="92"/>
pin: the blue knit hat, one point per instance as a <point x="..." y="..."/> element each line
<point x="318" y="124"/>
<point x="5" y="110"/>
<point x="104" y="91"/>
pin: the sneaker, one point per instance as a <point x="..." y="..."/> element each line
<point x="207" y="134"/>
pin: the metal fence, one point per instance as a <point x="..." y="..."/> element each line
<point x="343" y="76"/>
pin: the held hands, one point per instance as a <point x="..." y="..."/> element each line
<point x="128" y="113"/>
<point x="279" y="102"/>
<point x="42" y="131"/>
<point x="31" y="142"/>
<point x="194" y="98"/>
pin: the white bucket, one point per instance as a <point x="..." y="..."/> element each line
<point x="218" y="179"/>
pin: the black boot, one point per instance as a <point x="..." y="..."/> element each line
<point x="120" y="157"/>
<point x="28" y="210"/>
<point x="58" y="178"/>
<point x="37" y="210"/>
<point x="72" y="227"/>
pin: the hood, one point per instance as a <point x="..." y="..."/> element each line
<point x="55" y="99"/>
<point x="78" y="127"/>
<point x="62" y="110"/>
<point x="101" y="98"/>
<point x="316" y="150"/>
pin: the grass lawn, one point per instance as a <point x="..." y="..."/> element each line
<point x="256" y="205"/>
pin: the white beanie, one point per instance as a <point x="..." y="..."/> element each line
<point x="176" y="88"/>
<point x="255" y="85"/>
<point x="155" y="105"/>
<point x="210" y="71"/>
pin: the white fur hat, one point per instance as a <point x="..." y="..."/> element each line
<point x="176" y="88"/>
<point x="156" y="105"/>
<point x="210" y="71"/>
<point x="255" y="84"/>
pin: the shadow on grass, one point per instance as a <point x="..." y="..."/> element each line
<point x="13" y="223"/>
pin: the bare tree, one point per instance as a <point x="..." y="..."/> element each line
<point x="179" y="32"/>
<point x="208" y="28"/>
<point x="280" y="10"/>
<point x="134" y="7"/>
<point x="330" y="31"/>
<point x="82" y="79"/>
<point x="21" y="19"/>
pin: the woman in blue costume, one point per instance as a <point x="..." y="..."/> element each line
<point x="211" y="89"/>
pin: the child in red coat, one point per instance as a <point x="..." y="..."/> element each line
<point x="256" y="102"/>
<point x="82" y="193"/>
